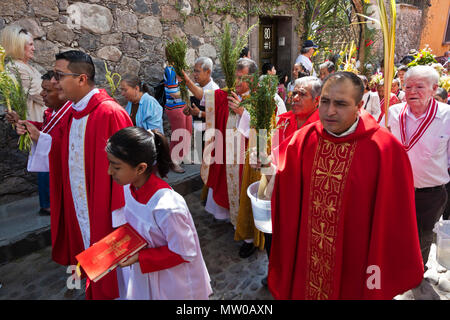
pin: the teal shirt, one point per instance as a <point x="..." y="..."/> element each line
<point x="149" y="113"/>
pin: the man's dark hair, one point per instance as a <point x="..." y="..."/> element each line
<point x="266" y="67"/>
<point x="356" y="81"/>
<point x="441" y="92"/>
<point x="244" y="53"/>
<point x="48" y="75"/>
<point x="79" y="62"/>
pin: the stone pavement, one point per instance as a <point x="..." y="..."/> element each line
<point x="36" y="277"/>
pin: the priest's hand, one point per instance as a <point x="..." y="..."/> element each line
<point x="233" y="103"/>
<point x="12" y="117"/>
<point x="131" y="260"/>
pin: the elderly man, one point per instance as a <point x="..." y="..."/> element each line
<point x="338" y="233"/>
<point x="325" y="69"/>
<point x="305" y="55"/>
<point x="203" y="68"/>
<point x="305" y="100"/>
<point x="222" y="165"/>
<point x="422" y="125"/>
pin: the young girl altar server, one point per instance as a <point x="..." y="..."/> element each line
<point x="172" y="265"/>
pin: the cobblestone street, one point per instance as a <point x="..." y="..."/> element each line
<point x="36" y="277"/>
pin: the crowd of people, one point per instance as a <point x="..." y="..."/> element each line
<point x="353" y="200"/>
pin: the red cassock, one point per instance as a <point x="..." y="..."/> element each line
<point x="343" y="215"/>
<point x="103" y="195"/>
<point x="217" y="177"/>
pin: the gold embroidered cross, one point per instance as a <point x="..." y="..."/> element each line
<point x="318" y="288"/>
<point x="322" y="235"/>
<point x="329" y="174"/>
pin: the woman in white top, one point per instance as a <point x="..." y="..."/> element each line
<point x="172" y="265"/>
<point x="19" y="46"/>
<point x="371" y="99"/>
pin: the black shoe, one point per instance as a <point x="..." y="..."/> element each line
<point x="264" y="281"/>
<point x="44" y="212"/>
<point x="246" y="250"/>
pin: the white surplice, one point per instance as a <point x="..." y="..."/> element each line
<point x="165" y="220"/>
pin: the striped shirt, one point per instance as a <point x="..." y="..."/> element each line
<point x="171" y="86"/>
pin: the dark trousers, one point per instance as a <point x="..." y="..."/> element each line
<point x="430" y="204"/>
<point x="44" y="189"/>
<point x="446" y="214"/>
<point x="268" y="242"/>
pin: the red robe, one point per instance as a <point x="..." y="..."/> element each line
<point x="103" y="195"/>
<point x="287" y="125"/>
<point x="60" y="241"/>
<point x="340" y="206"/>
<point x="217" y="177"/>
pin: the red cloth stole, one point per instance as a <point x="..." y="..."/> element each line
<point x="426" y="122"/>
<point x="154" y="259"/>
<point x="217" y="177"/>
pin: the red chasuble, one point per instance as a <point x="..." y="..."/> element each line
<point x="343" y="215"/>
<point x="103" y="195"/>
<point x="217" y="177"/>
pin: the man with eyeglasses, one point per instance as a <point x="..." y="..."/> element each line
<point x="91" y="199"/>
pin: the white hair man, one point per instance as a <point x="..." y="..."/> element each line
<point x="422" y="125"/>
<point x="203" y="68"/>
<point x="325" y="69"/>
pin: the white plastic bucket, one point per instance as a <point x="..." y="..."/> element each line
<point x="442" y="229"/>
<point x="261" y="209"/>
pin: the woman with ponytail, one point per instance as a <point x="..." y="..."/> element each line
<point x="144" y="110"/>
<point x="172" y="265"/>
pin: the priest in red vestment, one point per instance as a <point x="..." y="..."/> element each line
<point x="90" y="197"/>
<point x="341" y="229"/>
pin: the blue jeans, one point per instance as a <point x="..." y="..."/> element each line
<point x="44" y="189"/>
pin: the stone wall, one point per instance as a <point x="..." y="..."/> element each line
<point x="129" y="35"/>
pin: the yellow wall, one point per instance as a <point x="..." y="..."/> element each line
<point x="434" y="27"/>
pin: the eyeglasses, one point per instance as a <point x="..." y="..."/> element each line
<point x="58" y="75"/>
<point x="23" y="31"/>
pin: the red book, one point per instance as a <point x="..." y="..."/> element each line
<point x="104" y="255"/>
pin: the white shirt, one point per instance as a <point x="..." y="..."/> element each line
<point x="372" y="104"/>
<point x="430" y="156"/>
<point x="211" y="85"/>
<point x="165" y="221"/>
<point x="306" y="62"/>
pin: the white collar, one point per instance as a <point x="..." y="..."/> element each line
<point x="346" y="133"/>
<point x="80" y="105"/>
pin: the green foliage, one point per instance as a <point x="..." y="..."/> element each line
<point x="229" y="52"/>
<point x="14" y="96"/>
<point x="110" y="77"/>
<point x="261" y="103"/>
<point x="423" y="58"/>
<point x="176" y="56"/>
